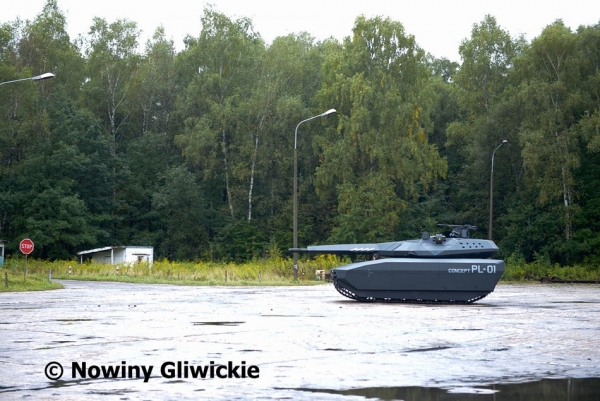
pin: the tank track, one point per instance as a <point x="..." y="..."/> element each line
<point x="347" y="293"/>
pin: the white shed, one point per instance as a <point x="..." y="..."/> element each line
<point x="113" y="255"/>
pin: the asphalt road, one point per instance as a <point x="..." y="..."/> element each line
<point x="132" y="341"/>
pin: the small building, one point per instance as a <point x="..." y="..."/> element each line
<point x="114" y="255"/>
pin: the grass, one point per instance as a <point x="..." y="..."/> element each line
<point x="517" y="270"/>
<point x="537" y="271"/>
<point x="268" y="272"/>
<point x="16" y="281"/>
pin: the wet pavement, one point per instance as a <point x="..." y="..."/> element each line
<point x="135" y="341"/>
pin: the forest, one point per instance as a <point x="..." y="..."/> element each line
<point x="192" y="151"/>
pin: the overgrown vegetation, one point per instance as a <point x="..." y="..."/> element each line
<point x="255" y="272"/>
<point x="16" y="280"/>
<point x="518" y="270"/>
<point x="266" y="272"/>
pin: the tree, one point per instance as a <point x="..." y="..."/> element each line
<point x="379" y="155"/>
<point x="589" y="46"/>
<point x="111" y="50"/>
<point x="59" y="195"/>
<point x="181" y="205"/>
<point x="154" y="87"/>
<point x="112" y="62"/>
<point x="288" y="76"/>
<point x="552" y="105"/>
<point x="224" y="57"/>
<point x="484" y="121"/>
<point x="47" y="47"/>
<point x="487" y="58"/>
<point x="152" y="125"/>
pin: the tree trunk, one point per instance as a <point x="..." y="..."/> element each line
<point x="227" y="186"/>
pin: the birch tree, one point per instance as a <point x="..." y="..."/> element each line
<point x="222" y="62"/>
<point x="552" y="100"/>
<point x="111" y="50"/>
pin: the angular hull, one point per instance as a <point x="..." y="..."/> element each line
<point x="418" y="280"/>
<point x="423" y="248"/>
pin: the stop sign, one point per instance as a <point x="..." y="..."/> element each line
<point x="26" y="246"/>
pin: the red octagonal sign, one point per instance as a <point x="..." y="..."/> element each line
<point x="26" y="246"/>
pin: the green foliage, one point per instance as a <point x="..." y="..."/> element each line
<point x="484" y="121"/>
<point x="487" y="59"/>
<point x="275" y="271"/>
<point x="18" y="281"/>
<point x="239" y="241"/>
<point x="57" y="185"/>
<point x="192" y="152"/>
<point x="378" y="158"/>
<point x="180" y="204"/>
<point x="517" y="270"/>
<point x="367" y="212"/>
<point x="225" y="57"/>
<point x="549" y="144"/>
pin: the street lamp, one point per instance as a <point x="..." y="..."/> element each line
<point x="46" y="75"/>
<point x="330" y="111"/>
<point x="492" y="189"/>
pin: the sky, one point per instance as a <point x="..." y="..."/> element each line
<point x="439" y="26"/>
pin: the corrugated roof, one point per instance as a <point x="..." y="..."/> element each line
<point x="106" y="248"/>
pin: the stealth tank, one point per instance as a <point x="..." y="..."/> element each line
<point x="453" y="269"/>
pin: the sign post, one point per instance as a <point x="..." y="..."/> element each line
<point x="26" y="246"/>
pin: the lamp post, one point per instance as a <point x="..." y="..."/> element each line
<point x="492" y="189"/>
<point x="46" y="75"/>
<point x="330" y="111"/>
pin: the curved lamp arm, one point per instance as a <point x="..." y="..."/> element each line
<point x="46" y="75"/>
<point x="330" y="111"/>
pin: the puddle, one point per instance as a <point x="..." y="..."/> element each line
<point x="573" y="302"/>
<point x="466" y="329"/>
<point x="280" y="316"/>
<point x="427" y="349"/>
<point x="587" y="389"/>
<point x="113" y="393"/>
<point x="74" y="320"/>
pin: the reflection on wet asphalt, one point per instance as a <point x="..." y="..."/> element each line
<point x="545" y="389"/>
<point x="305" y="342"/>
